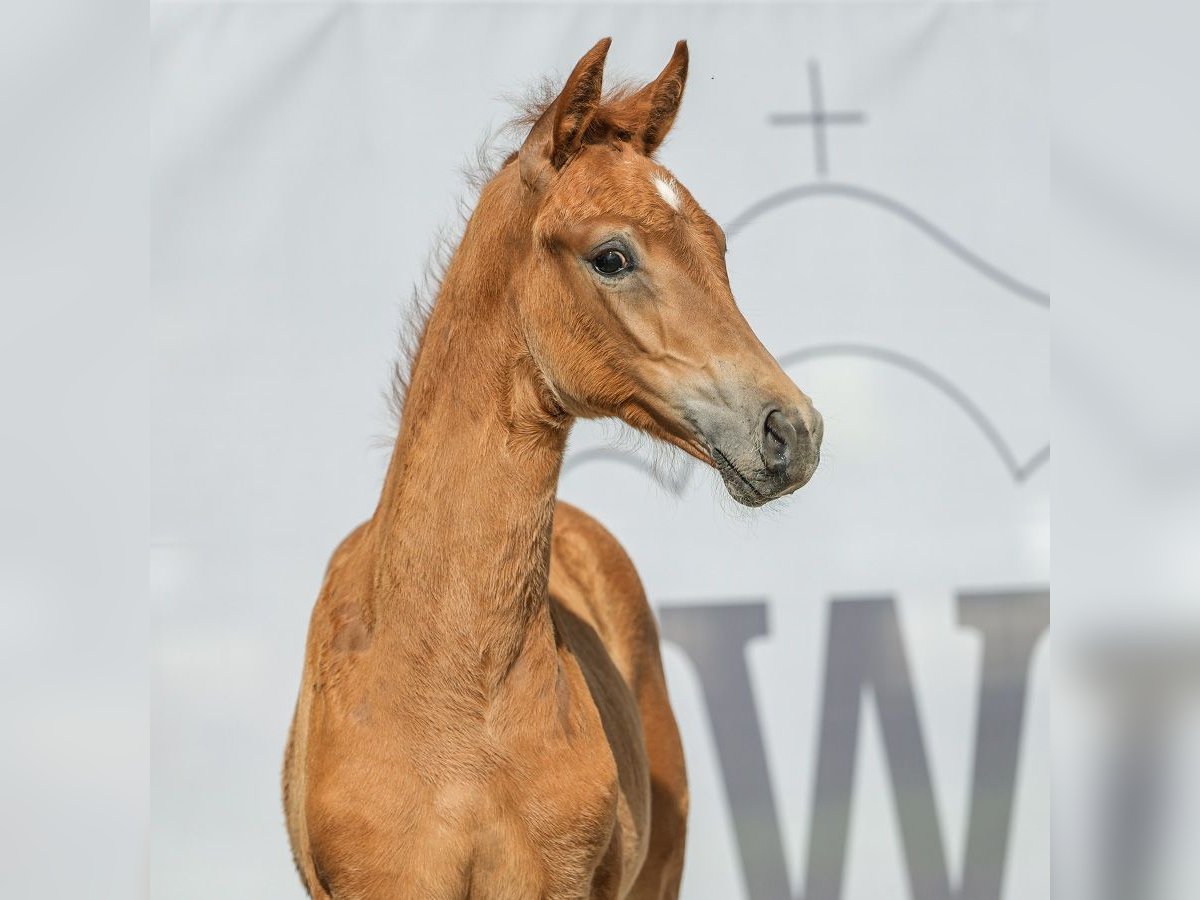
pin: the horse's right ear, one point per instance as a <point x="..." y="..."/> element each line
<point x="558" y="134"/>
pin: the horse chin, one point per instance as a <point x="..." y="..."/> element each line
<point x="754" y="487"/>
<point x="739" y="493"/>
<point x="739" y="486"/>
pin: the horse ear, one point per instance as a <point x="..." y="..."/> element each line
<point x="559" y="132"/>
<point x="659" y="100"/>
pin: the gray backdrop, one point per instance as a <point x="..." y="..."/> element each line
<point x="863" y="695"/>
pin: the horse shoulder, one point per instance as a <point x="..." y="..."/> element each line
<point x="593" y="577"/>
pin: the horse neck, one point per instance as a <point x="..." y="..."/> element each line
<point x="463" y="525"/>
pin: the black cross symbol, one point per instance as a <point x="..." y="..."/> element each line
<point x="818" y="117"/>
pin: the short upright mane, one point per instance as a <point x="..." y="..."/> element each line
<point x="488" y="159"/>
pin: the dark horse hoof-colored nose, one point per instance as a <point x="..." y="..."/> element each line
<point x="779" y="443"/>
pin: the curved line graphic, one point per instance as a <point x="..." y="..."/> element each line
<point x="1018" y="470"/>
<point x="675" y="486"/>
<point x="898" y="209"/>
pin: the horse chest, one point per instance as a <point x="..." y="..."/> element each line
<point x="552" y="838"/>
<point x="488" y="840"/>
<point x="518" y="818"/>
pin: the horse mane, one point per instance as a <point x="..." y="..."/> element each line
<point x="476" y="171"/>
<point x="495" y="149"/>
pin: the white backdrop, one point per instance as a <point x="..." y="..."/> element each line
<point x="895" y="261"/>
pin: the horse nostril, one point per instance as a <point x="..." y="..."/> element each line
<point x="778" y="438"/>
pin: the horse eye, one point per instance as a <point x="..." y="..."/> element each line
<point x="610" y="262"/>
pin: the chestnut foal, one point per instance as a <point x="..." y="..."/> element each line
<point x="483" y="712"/>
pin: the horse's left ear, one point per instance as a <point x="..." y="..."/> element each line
<point x="659" y="100"/>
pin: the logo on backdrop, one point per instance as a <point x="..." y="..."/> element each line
<point x="864" y="645"/>
<point x="865" y="650"/>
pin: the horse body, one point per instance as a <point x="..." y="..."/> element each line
<point x="483" y="712"/>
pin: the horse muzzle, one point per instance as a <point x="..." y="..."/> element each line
<point x="778" y="456"/>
